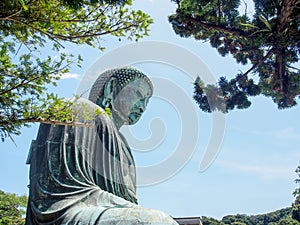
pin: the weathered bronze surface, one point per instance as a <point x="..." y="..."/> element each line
<point x="86" y="175"/>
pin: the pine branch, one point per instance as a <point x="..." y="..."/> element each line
<point x="210" y="26"/>
<point x="270" y="52"/>
<point x="292" y="67"/>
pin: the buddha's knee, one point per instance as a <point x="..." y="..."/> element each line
<point x="117" y="216"/>
<point x="134" y="216"/>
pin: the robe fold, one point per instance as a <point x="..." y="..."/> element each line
<point x="84" y="175"/>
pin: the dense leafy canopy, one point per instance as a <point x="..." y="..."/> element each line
<point x="30" y="27"/>
<point x="269" y="40"/>
<point x="12" y="209"/>
<point x="286" y="216"/>
<point x="80" y="3"/>
<point x="279" y="217"/>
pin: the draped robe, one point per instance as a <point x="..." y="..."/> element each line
<point x="84" y="175"/>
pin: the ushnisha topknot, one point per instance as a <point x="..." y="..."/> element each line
<point x="124" y="75"/>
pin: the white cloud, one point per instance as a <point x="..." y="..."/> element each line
<point x="287" y="133"/>
<point x="284" y="134"/>
<point x="69" y="76"/>
<point x="266" y="172"/>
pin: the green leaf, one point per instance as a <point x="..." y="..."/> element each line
<point x="248" y="25"/>
<point x="24" y="6"/>
<point x="265" y="21"/>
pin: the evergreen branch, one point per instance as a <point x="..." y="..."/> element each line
<point x="270" y="52"/>
<point x="292" y="67"/>
<point x="210" y="26"/>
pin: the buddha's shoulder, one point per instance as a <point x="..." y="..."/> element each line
<point x="85" y="110"/>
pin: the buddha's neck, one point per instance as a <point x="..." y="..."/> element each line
<point x="118" y="119"/>
<point x="118" y="123"/>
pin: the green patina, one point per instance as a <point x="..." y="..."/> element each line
<point x="86" y="175"/>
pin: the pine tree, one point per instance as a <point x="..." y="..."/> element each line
<point x="269" y="41"/>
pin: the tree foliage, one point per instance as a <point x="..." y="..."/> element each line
<point x="211" y="221"/>
<point x="12" y="209"/>
<point x="297" y="180"/>
<point x="296" y="209"/>
<point x="296" y="204"/>
<point x="286" y="216"/>
<point x="30" y="27"/>
<point x="80" y="3"/>
<point x="267" y="40"/>
<point x="279" y="217"/>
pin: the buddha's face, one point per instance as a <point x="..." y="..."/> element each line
<point x="130" y="103"/>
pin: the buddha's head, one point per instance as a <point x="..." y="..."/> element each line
<point x="126" y="91"/>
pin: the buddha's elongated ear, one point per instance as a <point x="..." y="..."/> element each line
<point x="108" y="93"/>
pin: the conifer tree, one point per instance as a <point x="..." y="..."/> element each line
<point x="268" y="40"/>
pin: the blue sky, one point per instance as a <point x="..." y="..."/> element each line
<point x="254" y="170"/>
